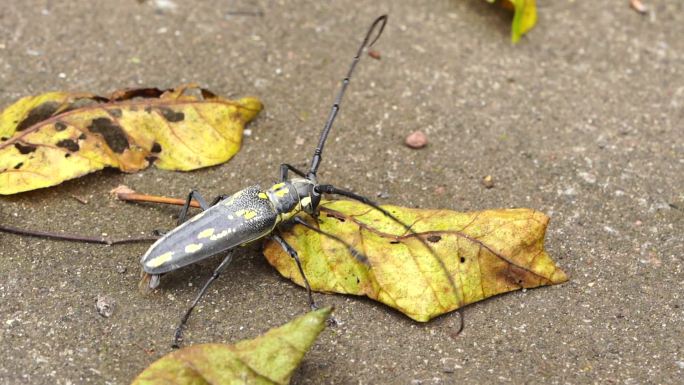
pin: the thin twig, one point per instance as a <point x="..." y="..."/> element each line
<point x="136" y="197"/>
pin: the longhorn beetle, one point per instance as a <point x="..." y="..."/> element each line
<point x="253" y="213"/>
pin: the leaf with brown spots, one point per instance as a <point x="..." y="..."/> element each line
<point x="53" y="137"/>
<point x="269" y="359"/>
<point x="450" y="259"/>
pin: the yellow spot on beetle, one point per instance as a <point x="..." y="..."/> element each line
<point x="282" y="192"/>
<point x="160" y="259"/>
<point x="206" y="233"/>
<point x="277" y="186"/>
<point x="263" y="195"/>
<point x="219" y="235"/>
<point x="250" y="214"/>
<point x="306" y="201"/>
<point x="191" y="248"/>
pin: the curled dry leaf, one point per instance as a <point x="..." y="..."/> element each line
<point x="268" y="359"/>
<point x="53" y="137"/>
<point x="471" y="256"/>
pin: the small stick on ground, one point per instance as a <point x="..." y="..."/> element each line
<point x="126" y="194"/>
<point x="639" y="6"/>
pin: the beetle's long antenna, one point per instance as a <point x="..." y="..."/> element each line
<point x="330" y="189"/>
<point x="316" y="160"/>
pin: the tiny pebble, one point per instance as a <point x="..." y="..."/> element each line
<point x="247" y="132"/>
<point x="104" y="306"/>
<point x="416" y="139"/>
<point x="383" y="195"/>
<point x="121" y="269"/>
<point x="449" y="365"/>
<point x="374" y="54"/>
<point x="488" y="181"/>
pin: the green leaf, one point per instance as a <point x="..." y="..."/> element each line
<point x="268" y="359"/>
<point x="524" y="19"/>
<point x="470" y="257"/>
<point x="525" y="16"/>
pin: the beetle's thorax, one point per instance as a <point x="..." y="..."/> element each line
<point x="292" y="196"/>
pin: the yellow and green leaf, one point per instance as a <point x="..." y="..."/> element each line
<point x="268" y="359"/>
<point x="525" y="16"/>
<point x="53" y="137"/>
<point x="448" y="260"/>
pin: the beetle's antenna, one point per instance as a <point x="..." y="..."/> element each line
<point x="316" y="160"/>
<point x="330" y="189"/>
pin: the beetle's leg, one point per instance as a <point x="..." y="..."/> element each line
<point x="182" y="216"/>
<point x="355" y="253"/>
<point x="178" y="336"/>
<point x="293" y="253"/>
<point x="284" y="168"/>
<point x="218" y="199"/>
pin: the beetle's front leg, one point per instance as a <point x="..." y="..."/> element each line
<point x="284" y="168"/>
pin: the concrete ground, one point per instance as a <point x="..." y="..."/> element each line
<point x="582" y="120"/>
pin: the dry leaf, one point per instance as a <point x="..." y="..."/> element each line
<point x="268" y="359"/>
<point x="53" y="137"/>
<point x="471" y="256"/>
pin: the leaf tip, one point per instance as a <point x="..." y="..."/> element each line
<point x="559" y="276"/>
<point x="251" y="103"/>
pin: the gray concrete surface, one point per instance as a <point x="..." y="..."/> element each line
<point x="581" y="120"/>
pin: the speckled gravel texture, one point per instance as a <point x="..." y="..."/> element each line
<point x="582" y="120"/>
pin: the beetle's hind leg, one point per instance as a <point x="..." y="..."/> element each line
<point x="183" y="214"/>
<point x="195" y="195"/>
<point x="178" y="335"/>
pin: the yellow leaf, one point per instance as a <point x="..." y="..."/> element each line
<point x="268" y="359"/>
<point x="524" y="19"/>
<point x="53" y="137"/>
<point x="471" y="256"/>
